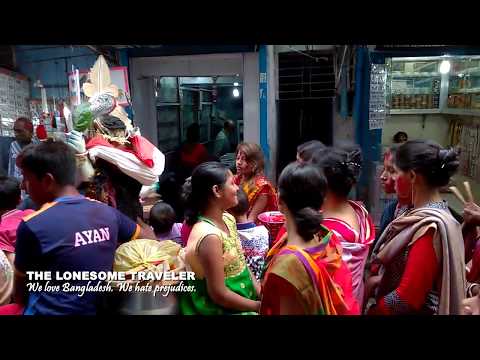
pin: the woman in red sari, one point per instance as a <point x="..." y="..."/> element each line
<point x="260" y="192"/>
<point x="347" y="219"/>
<point x="305" y="274"/>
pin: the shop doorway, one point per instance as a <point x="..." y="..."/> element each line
<point x="306" y="101"/>
<point x="206" y="101"/>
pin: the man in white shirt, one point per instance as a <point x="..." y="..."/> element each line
<point x="23" y="130"/>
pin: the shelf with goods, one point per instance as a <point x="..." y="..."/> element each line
<point x="475" y="71"/>
<point x="464" y="98"/>
<point x="401" y="75"/>
<point x="464" y="87"/>
<point x="418" y="86"/>
<point x="14" y="94"/>
<point x="414" y="111"/>
<point x="465" y="91"/>
<point x="463" y="66"/>
<point x="415" y="90"/>
<point x="415" y="99"/>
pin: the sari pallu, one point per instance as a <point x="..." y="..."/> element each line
<point x="449" y="249"/>
<point x="317" y="273"/>
<point x="355" y="244"/>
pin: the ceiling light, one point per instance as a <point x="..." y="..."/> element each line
<point x="445" y="67"/>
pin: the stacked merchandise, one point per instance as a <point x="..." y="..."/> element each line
<point x="14" y="94"/>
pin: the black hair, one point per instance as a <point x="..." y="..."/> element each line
<point x="198" y="193"/>
<point x="242" y="206"/>
<point x="56" y="158"/>
<point x="126" y="189"/>
<point x="170" y="190"/>
<point x="229" y="124"/>
<point x="9" y="193"/>
<point x="302" y="188"/>
<point x="341" y="166"/>
<point x="186" y="190"/>
<point x="162" y="217"/>
<point x="429" y="159"/>
<point x="193" y="133"/>
<point x="113" y="122"/>
<point x="306" y="150"/>
<point x="396" y="137"/>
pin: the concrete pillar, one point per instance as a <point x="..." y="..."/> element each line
<point x="251" y="127"/>
<point x="272" y="132"/>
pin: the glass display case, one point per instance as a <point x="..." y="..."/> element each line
<point x="415" y="85"/>
<point x="419" y="85"/>
<point x="464" y="85"/>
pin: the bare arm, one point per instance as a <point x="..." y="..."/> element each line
<point x="10" y="257"/>
<point x="258" y="207"/>
<point x="210" y="253"/>
<point x="20" y="295"/>
<point x="146" y="231"/>
<point x="256" y="284"/>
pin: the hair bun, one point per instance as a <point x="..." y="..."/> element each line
<point x="448" y="163"/>
<point x="308" y="221"/>
<point x="354" y="156"/>
<point x="353" y="162"/>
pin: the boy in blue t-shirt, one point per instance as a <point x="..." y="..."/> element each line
<point x="69" y="232"/>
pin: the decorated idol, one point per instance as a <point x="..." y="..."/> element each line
<point x="114" y="160"/>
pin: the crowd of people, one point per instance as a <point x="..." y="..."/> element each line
<point x="328" y="258"/>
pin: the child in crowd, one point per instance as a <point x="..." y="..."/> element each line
<point x="306" y="150"/>
<point x="254" y="238"/>
<point x="10" y="216"/>
<point x="162" y="219"/>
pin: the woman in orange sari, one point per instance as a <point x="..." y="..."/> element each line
<point x="305" y="274"/>
<point x="260" y="192"/>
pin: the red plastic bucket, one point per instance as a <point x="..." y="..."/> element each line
<point x="273" y="221"/>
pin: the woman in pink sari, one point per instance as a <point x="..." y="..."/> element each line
<point x="347" y="219"/>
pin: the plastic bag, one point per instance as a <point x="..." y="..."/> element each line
<point x="82" y="117"/>
<point x="145" y="254"/>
